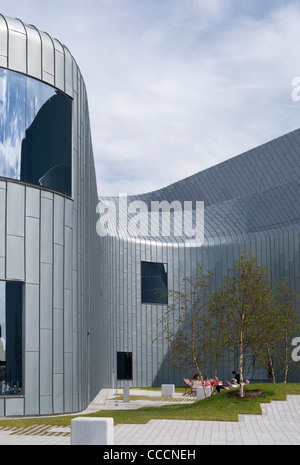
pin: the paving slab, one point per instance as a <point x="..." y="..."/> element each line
<point x="279" y="424"/>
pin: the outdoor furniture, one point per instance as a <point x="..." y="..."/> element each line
<point x="188" y="387"/>
<point x="167" y="390"/>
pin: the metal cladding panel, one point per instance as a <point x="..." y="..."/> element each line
<point x="2" y="268"/>
<point x="15" y="25"/>
<point x="32" y="250"/>
<point x="46" y="405"/>
<point x="68" y="72"/>
<point x="32" y="202"/>
<point x="32" y="321"/>
<point x="46" y="364"/>
<point x="34" y="53"/>
<point x="58" y="277"/>
<point x="58" y="340"/>
<point x="15" y="258"/>
<point x="68" y="321"/>
<point x="46" y="296"/>
<point x="68" y="384"/>
<point x="59" y="66"/>
<point x="3" y="38"/>
<point x="48" y="53"/>
<point x="17" y="51"/>
<point x="15" y="209"/>
<point x="58" y="393"/>
<point x="58" y="235"/>
<point x="14" y="407"/>
<point x="68" y="258"/>
<point x="3" y="61"/>
<point x="2" y="407"/>
<point x="46" y="230"/>
<point x="32" y="382"/>
<point x="47" y="58"/>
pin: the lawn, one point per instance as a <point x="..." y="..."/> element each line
<point x="219" y="407"/>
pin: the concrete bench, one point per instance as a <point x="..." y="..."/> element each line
<point x="167" y="390"/>
<point x="92" y="431"/>
<point x="200" y="392"/>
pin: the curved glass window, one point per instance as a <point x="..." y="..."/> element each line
<point x="35" y="132"/>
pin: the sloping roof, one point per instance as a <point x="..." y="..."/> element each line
<point x="256" y="191"/>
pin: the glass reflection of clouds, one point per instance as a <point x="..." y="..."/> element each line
<point x="35" y="132"/>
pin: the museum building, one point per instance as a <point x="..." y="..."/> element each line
<point x="79" y="309"/>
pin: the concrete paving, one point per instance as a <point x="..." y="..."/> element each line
<point x="279" y="424"/>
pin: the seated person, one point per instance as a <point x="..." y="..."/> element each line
<point x="207" y="382"/>
<point x="237" y="376"/>
<point x="196" y="382"/>
<point x="218" y="384"/>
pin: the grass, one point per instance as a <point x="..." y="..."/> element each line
<point x="219" y="407"/>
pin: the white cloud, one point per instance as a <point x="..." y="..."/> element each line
<point x="176" y="86"/>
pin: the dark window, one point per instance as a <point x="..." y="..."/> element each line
<point x="124" y="365"/>
<point x="154" y="283"/>
<point x="36" y="132"/>
<point x="10" y="338"/>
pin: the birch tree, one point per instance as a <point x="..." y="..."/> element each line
<point x="247" y="300"/>
<point x="183" y="321"/>
<point x="286" y="300"/>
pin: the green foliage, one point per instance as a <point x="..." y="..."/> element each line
<point x="219" y="407"/>
<point x="244" y="304"/>
<point x="183" y="320"/>
<point x="249" y="314"/>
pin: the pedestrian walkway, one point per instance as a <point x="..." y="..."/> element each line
<point x="279" y="424"/>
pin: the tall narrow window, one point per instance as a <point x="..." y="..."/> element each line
<point x="154" y="283"/>
<point x="124" y="365"/>
<point x="10" y="338"/>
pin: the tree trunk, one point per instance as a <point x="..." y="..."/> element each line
<point x="241" y="363"/>
<point x="270" y="363"/>
<point x="195" y="358"/>
<point x="241" y="375"/>
<point x="286" y="362"/>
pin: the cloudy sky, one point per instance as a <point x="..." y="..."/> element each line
<point x="176" y="86"/>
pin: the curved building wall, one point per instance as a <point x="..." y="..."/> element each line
<point x="48" y="241"/>
<point x="251" y="202"/>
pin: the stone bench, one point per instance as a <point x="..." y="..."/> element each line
<point x="200" y="392"/>
<point x="92" y="431"/>
<point x="167" y="390"/>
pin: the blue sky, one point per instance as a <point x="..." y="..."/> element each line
<point x="176" y="86"/>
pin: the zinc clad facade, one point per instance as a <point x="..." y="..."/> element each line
<point x="48" y="239"/>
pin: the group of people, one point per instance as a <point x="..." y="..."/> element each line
<point x="214" y="383"/>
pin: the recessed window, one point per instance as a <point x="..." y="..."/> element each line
<point x="124" y="365"/>
<point x="10" y="338"/>
<point x="154" y="283"/>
